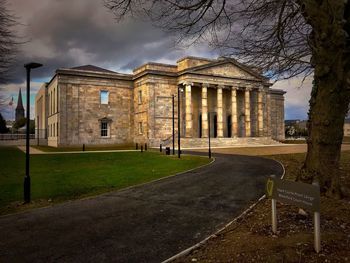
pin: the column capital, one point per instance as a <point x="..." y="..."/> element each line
<point x="248" y="88"/>
<point x="237" y="83"/>
<point x="235" y="87"/>
<point x="205" y="85"/>
<point x="220" y="86"/>
<point x="187" y="83"/>
<point x="261" y="88"/>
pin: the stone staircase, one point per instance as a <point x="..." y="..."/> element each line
<point x="219" y="142"/>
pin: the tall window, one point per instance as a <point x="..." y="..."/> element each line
<point x="140" y="128"/>
<point x="54" y="101"/>
<point x="140" y="97"/>
<point x="104" y="129"/>
<point x="104" y="96"/>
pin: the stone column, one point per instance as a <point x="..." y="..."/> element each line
<point x="205" y="110"/>
<point x="188" y="110"/>
<point x="220" y="125"/>
<point x="234" y="120"/>
<point x="260" y="112"/>
<point x="247" y="111"/>
<point x="268" y="109"/>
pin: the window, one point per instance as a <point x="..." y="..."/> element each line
<point x="104" y="96"/>
<point x="104" y="129"/>
<point x="140" y="128"/>
<point x="140" y="97"/>
<point x="54" y="100"/>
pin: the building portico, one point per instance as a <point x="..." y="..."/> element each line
<point x="235" y="110"/>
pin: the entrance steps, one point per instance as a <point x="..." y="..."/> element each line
<point x="221" y="142"/>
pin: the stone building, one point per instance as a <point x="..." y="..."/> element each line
<point x="91" y="105"/>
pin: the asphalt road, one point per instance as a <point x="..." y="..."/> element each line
<point x="148" y="223"/>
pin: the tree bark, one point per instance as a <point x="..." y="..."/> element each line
<point x="330" y="96"/>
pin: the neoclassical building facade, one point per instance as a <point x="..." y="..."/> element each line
<point x="91" y="105"/>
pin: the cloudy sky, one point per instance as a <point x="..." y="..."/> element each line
<point x="66" y="33"/>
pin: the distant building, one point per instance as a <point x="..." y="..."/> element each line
<point x="19" y="108"/>
<point x="347" y="127"/>
<point x="91" y="105"/>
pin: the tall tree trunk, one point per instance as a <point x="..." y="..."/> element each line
<point x="330" y="96"/>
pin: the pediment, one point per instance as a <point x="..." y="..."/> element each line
<point x="227" y="69"/>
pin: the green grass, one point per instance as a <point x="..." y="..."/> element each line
<point x="87" y="148"/>
<point x="59" y="177"/>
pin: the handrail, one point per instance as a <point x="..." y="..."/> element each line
<point x="166" y="141"/>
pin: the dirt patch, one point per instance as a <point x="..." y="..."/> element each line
<point x="250" y="239"/>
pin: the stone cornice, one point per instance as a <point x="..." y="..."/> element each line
<point x="95" y="74"/>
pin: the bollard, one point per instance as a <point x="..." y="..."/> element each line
<point x="167" y="150"/>
<point x="274" y="216"/>
<point x="317" y="228"/>
<point x="145" y="146"/>
<point x="160" y="148"/>
<point x="274" y="213"/>
<point x="83" y="147"/>
<point x="141" y="148"/>
<point x="137" y="146"/>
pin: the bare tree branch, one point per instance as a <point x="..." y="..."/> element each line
<point x="268" y="34"/>
<point x="8" y="42"/>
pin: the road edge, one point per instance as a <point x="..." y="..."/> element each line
<point x="201" y="243"/>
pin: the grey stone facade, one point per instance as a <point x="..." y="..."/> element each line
<point x="238" y="101"/>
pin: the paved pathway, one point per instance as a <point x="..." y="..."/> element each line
<point x="149" y="223"/>
<point x="267" y="149"/>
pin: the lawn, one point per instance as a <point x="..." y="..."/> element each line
<point x="87" y="148"/>
<point x="59" y="177"/>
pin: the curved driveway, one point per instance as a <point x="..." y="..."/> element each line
<point x="147" y="223"/>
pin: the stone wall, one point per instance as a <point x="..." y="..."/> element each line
<point x="81" y="111"/>
<point x="277" y="115"/>
<point x="156" y="108"/>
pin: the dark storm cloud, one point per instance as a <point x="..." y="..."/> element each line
<point x="70" y="33"/>
<point x="66" y="33"/>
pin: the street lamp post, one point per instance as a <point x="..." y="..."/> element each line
<point x="178" y="122"/>
<point x="38" y="131"/>
<point x="173" y="102"/>
<point x="209" y="150"/>
<point x="28" y="67"/>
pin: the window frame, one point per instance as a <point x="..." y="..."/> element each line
<point x="101" y="92"/>
<point x="104" y="130"/>
<point x="140" y="127"/>
<point x="139" y="97"/>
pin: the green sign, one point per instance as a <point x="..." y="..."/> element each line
<point x="303" y="195"/>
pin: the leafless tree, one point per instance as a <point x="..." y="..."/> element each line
<point x="8" y="41"/>
<point x="284" y="38"/>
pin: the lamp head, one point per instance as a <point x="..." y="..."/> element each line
<point x="32" y="65"/>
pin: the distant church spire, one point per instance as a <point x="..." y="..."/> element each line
<point x="19" y="108"/>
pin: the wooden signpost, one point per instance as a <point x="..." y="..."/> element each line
<point x="303" y="195"/>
